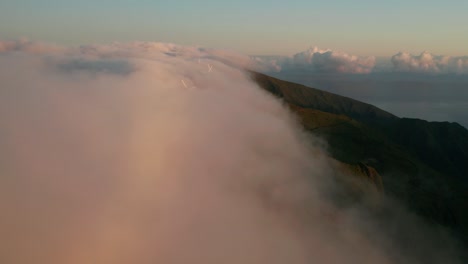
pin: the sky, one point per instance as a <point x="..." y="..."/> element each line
<point x="361" y="27"/>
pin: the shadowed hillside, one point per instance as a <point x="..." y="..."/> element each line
<point x="424" y="164"/>
<point x="307" y="97"/>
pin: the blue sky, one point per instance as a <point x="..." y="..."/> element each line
<point x="361" y="27"/>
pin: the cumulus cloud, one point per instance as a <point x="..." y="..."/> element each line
<point x="429" y="63"/>
<point x="319" y="60"/>
<point x="316" y="60"/>
<point x="165" y="161"/>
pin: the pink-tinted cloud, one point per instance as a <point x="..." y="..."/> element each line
<point x="134" y="167"/>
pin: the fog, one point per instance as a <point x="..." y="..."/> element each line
<point x="159" y="153"/>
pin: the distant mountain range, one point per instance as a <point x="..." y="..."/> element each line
<point x="423" y="164"/>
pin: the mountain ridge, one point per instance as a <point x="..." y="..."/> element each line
<point x="423" y="164"/>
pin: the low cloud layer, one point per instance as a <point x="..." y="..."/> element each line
<point x="318" y="60"/>
<point x="136" y="50"/>
<point x="429" y="63"/>
<point x="159" y="153"/>
<point x="314" y="59"/>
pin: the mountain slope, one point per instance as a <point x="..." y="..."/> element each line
<point x="440" y="145"/>
<point x="307" y="97"/>
<point x="424" y="164"/>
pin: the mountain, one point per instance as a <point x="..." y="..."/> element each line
<point x="423" y="164"/>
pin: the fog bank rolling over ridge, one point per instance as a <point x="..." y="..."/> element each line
<point x="319" y="60"/>
<point x="160" y="153"/>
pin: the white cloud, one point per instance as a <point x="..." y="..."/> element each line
<point x="429" y="63"/>
<point x="328" y="61"/>
<point x="320" y="60"/>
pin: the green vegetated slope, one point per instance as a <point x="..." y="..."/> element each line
<point x="424" y="164"/>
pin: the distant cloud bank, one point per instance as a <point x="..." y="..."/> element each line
<point x="429" y="63"/>
<point x="319" y="60"/>
<point x="328" y="61"/>
<point x="314" y="59"/>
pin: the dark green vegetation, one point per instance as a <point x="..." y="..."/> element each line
<point x="423" y="164"/>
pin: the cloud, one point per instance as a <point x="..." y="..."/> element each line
<point x="103" y="167"/>
<point x="429" y="63"/>
<point x="151" y="50"/>
<point x="318" y="60"/>
<point x="142" y="50"/>
<point x="120" y="67"/>
<point x="315" y="60"/>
